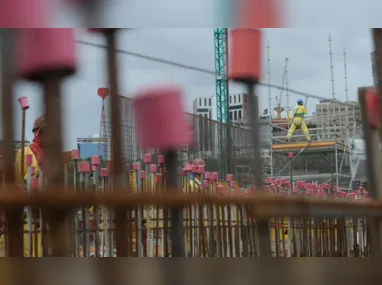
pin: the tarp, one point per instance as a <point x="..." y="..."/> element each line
<point x="357" y="154"/>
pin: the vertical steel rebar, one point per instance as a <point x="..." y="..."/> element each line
<point x="116" y="140"/>
<point x="14" y="221"/>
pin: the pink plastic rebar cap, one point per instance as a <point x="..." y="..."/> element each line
<point x="351" y="196"/>
<point x="96" y="160"/>
<point x="161" y="159"/>
<point x="75" y="154"/>
<point x="147" y="158"/>
<point x="205" y="183"/>
<point x="143" y="174"/>
<point x="127" y="167"/>
<point x="245" y="63"/>
<point x="294" y="190"/>
<point x="35" y="183"/>
<point x="23" y="102"/>
<point x="104" y="172"/>
<point x="80" y="167"/>
<point x="232" y="184"/>
<point x="160" y="118"/>
<point x="269" y="180"/>
<point x="24" y="14"/>
<point x="153" y="168"/>
<point x="325" y="186"/>
<point x="215" y="175"/>
<point x="372" y="108"/>
<point x="194" y="169"/>
<point x="46" y="51"/>
<point x="207" y="175"/>
<point x="201" y="169"/>
<point x="187" y="167"/>
<point x="135" y="166"/>
<point x="29" y="159"/>
<point x="85" y="167"/>
<point x="158" y="178"/>
<point x="229" y="177"/>
<point x="219" y="188"/>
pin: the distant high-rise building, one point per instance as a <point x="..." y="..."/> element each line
<point x="238" y="107"/>
<point x="338" y="120"/>
<point x="202" y="106"/>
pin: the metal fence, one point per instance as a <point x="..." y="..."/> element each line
<point x="232" y="156"/>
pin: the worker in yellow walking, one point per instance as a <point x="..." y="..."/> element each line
<point x="298" y="120"/>
<point x="35" y="150"/>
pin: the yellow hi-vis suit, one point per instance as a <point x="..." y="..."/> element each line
<point x="20" y="180"/>
<point x="298" y="121"/>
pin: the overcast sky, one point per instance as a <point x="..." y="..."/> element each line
<point x="307" y="49"/>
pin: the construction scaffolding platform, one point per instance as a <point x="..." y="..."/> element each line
<point x="309" y="147"/>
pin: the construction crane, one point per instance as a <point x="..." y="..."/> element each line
<point x="279" y="109"/>
<point x="221" y="83"/>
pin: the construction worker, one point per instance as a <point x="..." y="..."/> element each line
<point x="35" y="149"/>
<point x="298" y="120"/>
<point x="195" y="183"/>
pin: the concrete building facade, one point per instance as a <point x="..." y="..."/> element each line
<point x="202" y="106"/>
<point x="338" y="120"/>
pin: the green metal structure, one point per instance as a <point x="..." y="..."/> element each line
<point x="221" y="83"/>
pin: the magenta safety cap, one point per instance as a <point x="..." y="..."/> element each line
<point x="23" y="102"/>
<point x="194" y="169"/>
<point x="135" y="166"/>
<point x="160" y="159"/>
<point x="104" y="172"/>
<point x="46" y="51"/>
<point x="96" y="160"/>
<point x="85" y="167"/>
<point x="153" y="168"/>
<point x="158" y="178"/>
<point x="127" y="167"/>
<point x="75" y="154"/>
<point x="143" y="174"/>
<point x="207" y="175"/>
<point x="147" y="158"/>
<point x="229" y="177"/>
<point x="232" y="184"/>
<point x="215" y="175"/>
<point x="160" y="118"/>
<point x="201" y="169"/>
<point x="187" y="167"/>
<point x="29" y="159"/>
<point x="20" y="14"/>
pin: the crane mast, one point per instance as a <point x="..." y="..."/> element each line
<point x="221" y="85"/>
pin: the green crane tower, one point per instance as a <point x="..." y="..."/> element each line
<point x="221" y="84"/>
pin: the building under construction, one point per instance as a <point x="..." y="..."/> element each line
<point x="180" y="185"/>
